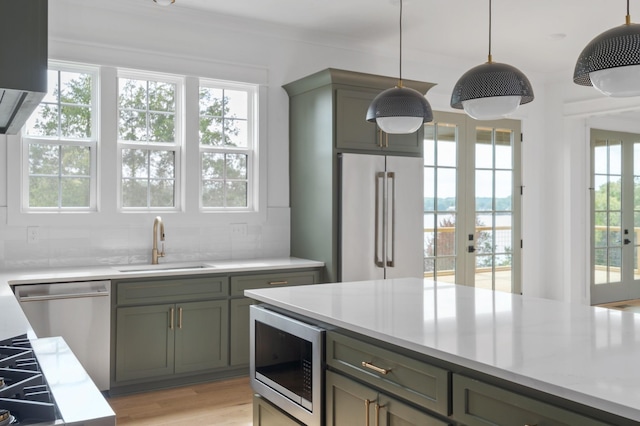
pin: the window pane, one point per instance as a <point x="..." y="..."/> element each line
<point x="615" y="157"/>
<point x="600" y="266"/>
<point x="446" y="188"/>
<point x="211" y="131"/>
<point x="236" y="103"/>
<point x="76" y="160"/>
<point x="429" y="145"/>
<point x="135" y="163"/>
<point x="75" y="122"/>
<point x="134" y="193"/>
<point x="446" y="235"/>
<point x="75" y="192"/>
<point x="484" y="233"/>
<point x="44" y="159"/>
<point x="429" y="189"/>
<point x="132" y="94"/>
<point x="503" y="150"/>
<point x="43" y="191"/>
<point x="161" y="193"/>
<point x="600" y="157"/>
<point x="212" y="194"/>
<point x="133" y="125"/>
<point x="601" y="187"/>
<point x="484" y="190"/>
<point x="75" y="88"/>
<point x="161" y="127"/>
<point x="210" y="102"/>
<point x="212" y="165"/>
<point x="162" y="96"/>
<point x="236" y="132"/>
<point x="484" y="150"/>
<point x="236" y="166"/>
<point x="236" y="194"/>
<point x="161" y="164"/>
<point x="503" y="190"/>
<point x="43" y="121"/>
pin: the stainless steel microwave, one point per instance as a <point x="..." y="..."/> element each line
<point x="286" y="363"/>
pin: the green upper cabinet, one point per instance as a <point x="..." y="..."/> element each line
<point x="353" y="132"/>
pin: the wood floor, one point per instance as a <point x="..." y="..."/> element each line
<point x="225" y="403"/>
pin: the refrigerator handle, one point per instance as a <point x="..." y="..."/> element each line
<point x="391" y="218"/>
<point x="377" y="256"/>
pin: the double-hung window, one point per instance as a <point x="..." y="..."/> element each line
<point x="227" y="140"/>
<point x="149" y="141"/>
<point x="60" y="143"/>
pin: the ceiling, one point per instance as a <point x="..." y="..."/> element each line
<point x="541" y="36"/>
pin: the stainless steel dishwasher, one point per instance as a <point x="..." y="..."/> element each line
<point x="77" y="311"/>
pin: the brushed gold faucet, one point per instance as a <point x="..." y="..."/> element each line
<point x="155" y="254"/>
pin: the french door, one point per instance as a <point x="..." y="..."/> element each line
<point x="472" y="196"/>
<point x="615" y="216"/>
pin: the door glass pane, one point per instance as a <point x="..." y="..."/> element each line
<point x="440" y="201"/>
<point x="494" y="207"/>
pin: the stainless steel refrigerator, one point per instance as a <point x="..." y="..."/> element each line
<point x="381" y="217"/>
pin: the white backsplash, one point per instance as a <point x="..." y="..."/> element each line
<point x="84" y="246"/>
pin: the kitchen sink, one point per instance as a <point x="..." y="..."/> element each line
<point x="163" y="267"/>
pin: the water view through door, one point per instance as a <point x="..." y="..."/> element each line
<point x="472" y="202"/>
<point x="615" y="216"/>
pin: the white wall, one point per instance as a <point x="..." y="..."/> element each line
<point x="169" y="40"/>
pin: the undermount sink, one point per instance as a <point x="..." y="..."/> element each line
<point x="163" y="267"/>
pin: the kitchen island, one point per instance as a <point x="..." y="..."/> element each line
<point x="533" y="354"/>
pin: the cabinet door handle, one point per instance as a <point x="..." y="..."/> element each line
<point x="386" y="140"/>
<point x="383" y="371"/>
<point x="378" y="258"/>
<point x="179" y="317"/>
<point x="391" y="224"/>
<point x="380" y="136"/>
<point x="171" y="318"/>
<point x="378" y="407"/>
<point x="278" y="282"/>
<point x="367" y="403"/>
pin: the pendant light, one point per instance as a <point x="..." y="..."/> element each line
<point x="491" y="90"/>
<point x="164" y="2"/>
<point x="400" y="110"/>
<point x="611" y="61"/>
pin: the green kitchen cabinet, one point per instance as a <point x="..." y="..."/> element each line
<point x="161" y="340"/>
<point x="266" y="414"/>
<point x="239" y="305"/>
<point x="327" y="113"/>
<point x="351" y="403"/>
<point x="476" y="403"/>
<point x="353" y="132"/>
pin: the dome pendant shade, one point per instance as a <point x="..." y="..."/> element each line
<point x="611" y="62"/>
<point x="492" y="108"/>
<point x="399" y="110"/>
<point x="491" y="80"/>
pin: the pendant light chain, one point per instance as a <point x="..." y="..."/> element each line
<point x="400" y="66"/>
<point x="490" y="58"/>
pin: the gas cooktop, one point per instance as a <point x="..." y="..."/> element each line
<point x="25" y="398"/>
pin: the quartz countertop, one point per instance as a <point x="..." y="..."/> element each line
<point x="13" y="321"/>
<point x="580" y="353"/>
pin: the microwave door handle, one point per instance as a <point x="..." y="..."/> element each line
<point x="378" y="257"/>
<point x="391" y="220"/>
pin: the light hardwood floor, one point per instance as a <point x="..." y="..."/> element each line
<point x="225" y="403"/>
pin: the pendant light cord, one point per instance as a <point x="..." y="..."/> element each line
<point x="400" y="66"/>
<point x="628" y="17"/>
<point x="490" y="59"/>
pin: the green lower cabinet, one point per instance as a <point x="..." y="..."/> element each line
<point x="161" y="340"/>
<point x="481" y="404"/>
<point x="266" y="414"/>
<point x="351" y="403"/>
<point x="201" y="336"/>
<point x="144" y="342"/>
<point x="239" y="336"/>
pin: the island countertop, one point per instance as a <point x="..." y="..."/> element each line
<point x="580" y="353"/>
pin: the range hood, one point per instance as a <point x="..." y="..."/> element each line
<point x="23" y="63"/>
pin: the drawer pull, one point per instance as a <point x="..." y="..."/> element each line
<point x="383" y="371"/>
<point x="278" y="282"/>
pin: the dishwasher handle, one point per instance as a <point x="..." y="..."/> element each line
<point x="78" y="295"/>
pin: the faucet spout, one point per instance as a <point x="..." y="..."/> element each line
<point x="155" y="254"/>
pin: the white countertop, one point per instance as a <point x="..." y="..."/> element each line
<point x="581" y="353"/>
<point x="14" y="323"/>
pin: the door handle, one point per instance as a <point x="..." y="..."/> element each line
<point x="627" y="241"/>
<point x="391" y="218"/>
<point x="378" y="260"/>
<point x="471" y="249"/>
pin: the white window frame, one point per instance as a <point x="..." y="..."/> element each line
<point x="177" y="147"/>
<point x="249" y="151"/>
<point x="92" y="143"/>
